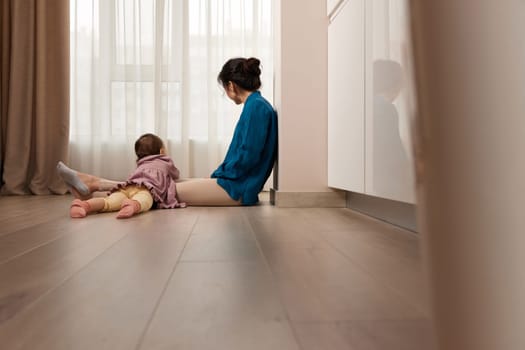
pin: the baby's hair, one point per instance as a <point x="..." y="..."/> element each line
<point x="148" y="145"/>
<point x="244" y="72"/>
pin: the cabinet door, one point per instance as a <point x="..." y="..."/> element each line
<point x="388" y="160"/>
<point x="346" y="74"/>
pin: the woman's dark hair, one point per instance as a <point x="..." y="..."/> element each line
<point x="147" y="145"/>
<point x="244" y="72"/>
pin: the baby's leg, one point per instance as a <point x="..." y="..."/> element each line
<point x="114" y="201"/>
<point x="80" y="209"/>
<point x="140" y="200"/>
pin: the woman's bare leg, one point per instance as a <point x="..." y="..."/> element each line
<point x="203" y="192"/>
<point x="81" y="184"/>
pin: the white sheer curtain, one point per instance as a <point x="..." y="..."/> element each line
<point x="142" y="66"/>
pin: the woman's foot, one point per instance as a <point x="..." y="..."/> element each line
<point x="79" y="209"/>
<point x="81" y="185"/>
<point x="129" y="208"/>
<point x="77" y="194"/>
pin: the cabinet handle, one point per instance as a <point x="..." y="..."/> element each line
<point x="337" y="8"/>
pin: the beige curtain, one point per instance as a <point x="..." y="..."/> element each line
<point x="34" y="94"/>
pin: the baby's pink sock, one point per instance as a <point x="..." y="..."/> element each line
<point x="79" y="209"/>
<point x="129" y="208"/>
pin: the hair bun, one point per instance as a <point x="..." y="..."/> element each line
<point x="252" y="66"/>
<point x="244" y="72"/>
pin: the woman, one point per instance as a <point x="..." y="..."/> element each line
<point x="250" y="157"/>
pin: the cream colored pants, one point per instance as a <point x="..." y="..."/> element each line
<point x="113" y="202"/>
<point x="205" y="192"/>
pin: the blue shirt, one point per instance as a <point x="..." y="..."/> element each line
<point x="251" y="155"/>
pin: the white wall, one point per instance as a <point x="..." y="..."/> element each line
<point x="301" y="94"/>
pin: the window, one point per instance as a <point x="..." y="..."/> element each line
<point x="150" y="66"/>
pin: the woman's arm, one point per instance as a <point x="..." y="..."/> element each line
<point x="252" y="141"/>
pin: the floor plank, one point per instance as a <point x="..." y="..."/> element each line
<point x="401" y="273"/>
<point x="34" y="236"/>
<point x="366" y="335"/>
<point x="224" y="237"/>
<point x="220" y="306"/>
<point x="386" y="253"/>
<point x="31" y="275"/>
<point x="19" y="212"/>
<point x="319" y="284"/>
<point x="108" y="304"/>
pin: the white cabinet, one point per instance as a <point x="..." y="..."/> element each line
<point x="369" y="146"/>
<point x="388" y="157"/>
<point x="346" y="98"/>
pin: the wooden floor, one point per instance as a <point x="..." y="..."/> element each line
<point x="207" y="278"/>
